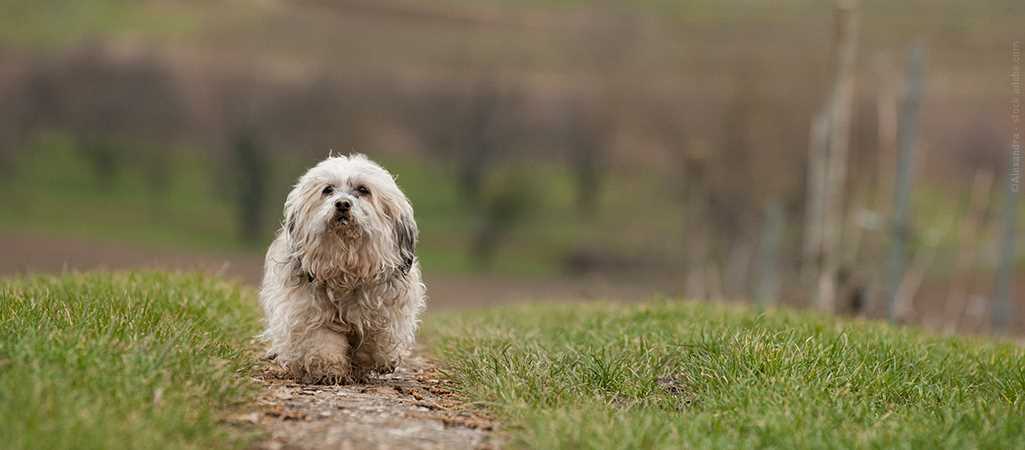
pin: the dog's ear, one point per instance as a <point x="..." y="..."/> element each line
<point x="291" y="239"/>
<point x="405" y="238"/>
<point x="294" y="261"/>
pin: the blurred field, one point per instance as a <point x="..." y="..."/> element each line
<point x="556" y="140"/>
<point x="56" y="192"/>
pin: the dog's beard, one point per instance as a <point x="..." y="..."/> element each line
<point x="345" y="227"/>
<point x="345" y="253"/>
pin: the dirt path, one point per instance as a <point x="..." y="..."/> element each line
<point x="410" y="409"/>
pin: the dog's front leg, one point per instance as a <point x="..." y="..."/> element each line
<point x="382" y="350"/>
<point x="384" y="347"/>
<point x="377" y="353"/>
<point x="322" y="358"/>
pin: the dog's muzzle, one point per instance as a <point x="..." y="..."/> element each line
<point x="343" y="211"/>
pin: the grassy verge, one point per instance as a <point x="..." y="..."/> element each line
<point x="123" y="361"/>
<point x="687" y="375"/>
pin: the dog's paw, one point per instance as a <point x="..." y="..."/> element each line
<point x="322" y="369"/>
<point x="362" y="373"/>
<point x="387" y="368"/>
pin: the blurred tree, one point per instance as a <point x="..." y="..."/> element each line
<point x="606" y="40"/>
<point x="972" y="216"/>
<point x="158" y="165"/>
<point x="587" y="138"/>
<point x="767" y="286"/>
<point x="481" y="137"/>
<point x="1003" y="292"/>
<point x="473" y="127"/>
<point x="840" y="111"/>
<point x="815" y="204"/>
<point x="901" y="229"/>
<point x="251" y="171"/>
<point x="507" y="202"/>
<point x="104" y="157"/>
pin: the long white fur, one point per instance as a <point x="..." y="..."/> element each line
<point x="343" y="300"/>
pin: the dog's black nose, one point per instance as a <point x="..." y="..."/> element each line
<point x="343" y="205"/>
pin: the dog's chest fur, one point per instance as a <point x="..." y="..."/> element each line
<point x="357" y="309"/>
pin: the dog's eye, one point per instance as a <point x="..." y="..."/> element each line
<point x="328" y="190"/>
<point x="363" y="190"/>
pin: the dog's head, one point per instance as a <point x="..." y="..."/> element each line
<point x="347" y="223"/>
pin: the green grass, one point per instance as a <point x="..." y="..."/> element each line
<point x="688" y="375"/>
<point x="123" y="361"/>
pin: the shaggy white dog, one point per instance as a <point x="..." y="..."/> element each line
<point x="342" y="289"/>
